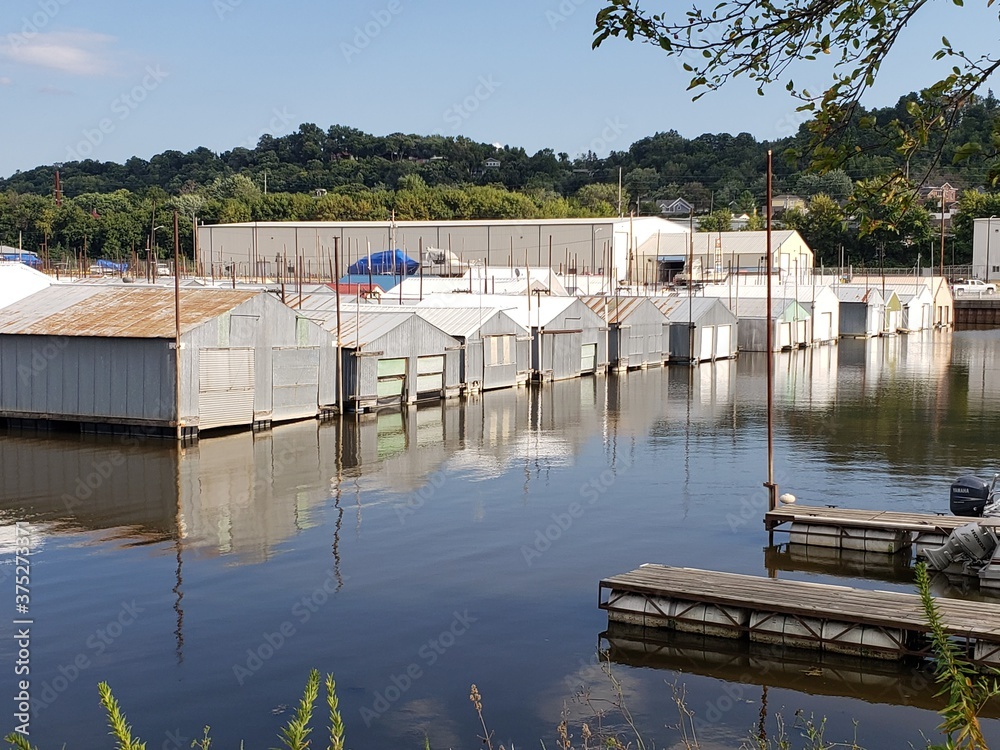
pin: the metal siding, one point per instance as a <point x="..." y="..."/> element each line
<point x="226" y="387"/>
<point x="295" y="380"/>
<point x="103" y="375"/>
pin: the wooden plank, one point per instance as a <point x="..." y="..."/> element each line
<point x="826" y="601"/>
<point x="872" y="519"/>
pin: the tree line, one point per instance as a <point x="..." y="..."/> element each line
<point x="111" y="210"/>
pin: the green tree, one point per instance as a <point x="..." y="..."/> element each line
<point x="822" y="225"/>
<point x="892" y="225"/>
<point x="717" y="221"/>
<point x="762" y="39"/>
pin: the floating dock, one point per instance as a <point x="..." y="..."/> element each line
<point x="834" y="619"/>
<point x="866" y="530"/>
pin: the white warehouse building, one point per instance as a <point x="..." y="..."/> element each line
<point x="271" y="249"/>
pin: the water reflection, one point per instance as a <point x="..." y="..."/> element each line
<point x="421" y="511"/>
<point x="747" y="664"/>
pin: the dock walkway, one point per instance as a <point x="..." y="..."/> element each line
<point x="839" y="619"/>
<point x="867" y="530"/>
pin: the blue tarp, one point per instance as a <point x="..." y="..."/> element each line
<point x="384" y="282"/>
<point x="388" y="262"/>
<point x="26" y="257"/>
<point x="112" y="266"/>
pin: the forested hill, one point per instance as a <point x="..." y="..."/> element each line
<point x="709" y="171"/>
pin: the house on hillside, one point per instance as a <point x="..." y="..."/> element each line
<point x="675" y="207"/>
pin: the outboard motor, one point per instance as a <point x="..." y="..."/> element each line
<point x="969" y="495"/>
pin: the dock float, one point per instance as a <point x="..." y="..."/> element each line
<point x="800" y="614"/>
<point x="866" y="530"/>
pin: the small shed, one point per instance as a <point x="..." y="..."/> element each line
<point x="893" y="313"/>
<point x="496" y="351"/>
<point x="917" y="303"/>
<point x="388" y="357"/>
<point x="104" y="358"/>
<point x="862" y="311"/>
<point x="789" y="320"/>
<point x="635" y="330"/>
<point x="819" y="300"/>
<point x="707" y="320"/>
<point x="568" y="338"/>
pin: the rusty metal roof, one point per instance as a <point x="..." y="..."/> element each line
<point x="146" y="313"/>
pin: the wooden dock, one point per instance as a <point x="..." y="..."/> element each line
<point x="837" y="619"/>
<point x="866" y="530"/>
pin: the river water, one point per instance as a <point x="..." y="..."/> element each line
<point x="415" y="554"/>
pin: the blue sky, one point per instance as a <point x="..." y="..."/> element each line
<point x="114" y="79"/>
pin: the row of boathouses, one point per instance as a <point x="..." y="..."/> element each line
<point x="138" y="358"/>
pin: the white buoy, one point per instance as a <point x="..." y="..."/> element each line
<point x="788" y="498"/>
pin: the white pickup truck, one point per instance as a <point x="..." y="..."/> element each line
<point x="973" y="286"/>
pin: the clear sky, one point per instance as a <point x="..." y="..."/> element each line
<point x="114" y="79"/>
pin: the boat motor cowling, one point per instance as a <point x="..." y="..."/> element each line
<point x="969" y="495"/>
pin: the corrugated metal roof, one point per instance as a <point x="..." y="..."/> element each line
<point x="115" y="312"/>
<point x="906" y="292"/>
<point x="359" y="326"/>
<point x="458" y="321"/>
<point x="868" y="295"/>
<point x="680" y="309"/>
<point x="757" y="308"/>
<point x="543" y="308"/>
<point x="618" y="308"/>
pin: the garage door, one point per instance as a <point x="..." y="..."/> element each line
<point x="295" y="378"/>
<point x="499" y="350"/>
<point x="430" y="377"/>
<point x="707" y="343"/>
<point x="784" y="335"/>
<point x="824" y="327"/>
<point x="588" y="358"/>
<point x="391" y="380"/>
<point x="225" y="387"/>
<point x="723" y="342"/>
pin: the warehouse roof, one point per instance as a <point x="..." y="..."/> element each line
<point x="115" y="312"/>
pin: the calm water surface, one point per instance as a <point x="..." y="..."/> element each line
<point x="414" y="554"/>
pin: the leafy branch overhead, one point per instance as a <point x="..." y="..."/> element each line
<point x="764" y="41"/>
